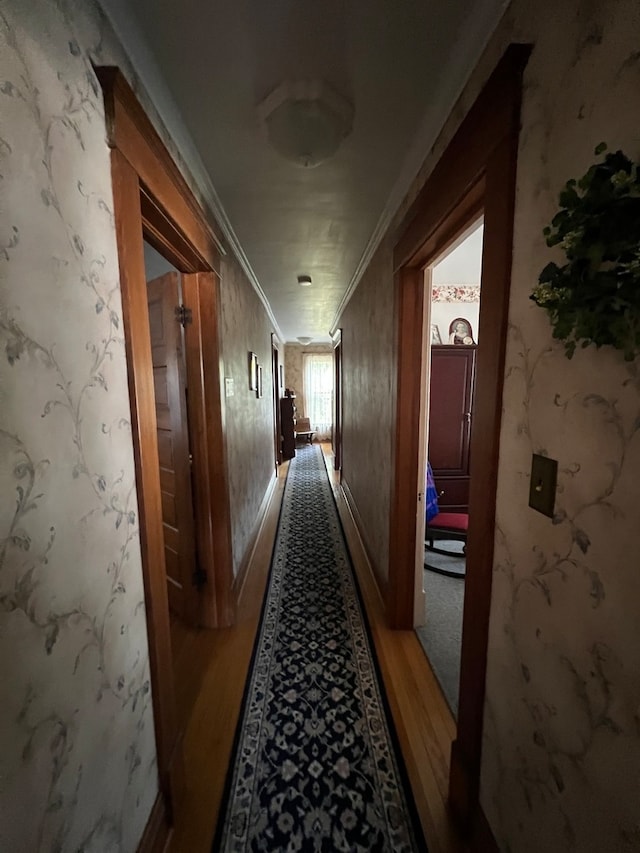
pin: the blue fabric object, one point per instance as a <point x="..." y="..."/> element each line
<point x="432" y="495"/>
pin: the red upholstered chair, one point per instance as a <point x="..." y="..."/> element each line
<point x="450" y="526"/>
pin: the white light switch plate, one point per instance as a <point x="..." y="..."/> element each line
<point x="228" y="387"/>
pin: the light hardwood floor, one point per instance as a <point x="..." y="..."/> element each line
<point x="211" y="669"/>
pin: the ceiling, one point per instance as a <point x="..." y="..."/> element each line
<point x="208" y="64"/>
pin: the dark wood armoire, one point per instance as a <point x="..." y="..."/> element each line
<point x="287" y="426"/>
<point x="450" y="412"/>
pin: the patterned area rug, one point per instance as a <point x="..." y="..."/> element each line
<point x="315" y="767"/>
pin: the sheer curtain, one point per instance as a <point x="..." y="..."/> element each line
<point x="318" y="392"/>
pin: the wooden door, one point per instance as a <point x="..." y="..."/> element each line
<point x="163" y="296"/>
<point x="451" y="402"/>
<point x="277" y="391"/>
<point x="337" y="401"/>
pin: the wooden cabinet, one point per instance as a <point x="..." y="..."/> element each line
<point x="287" y="426"/>
<point x="450" y="412"/>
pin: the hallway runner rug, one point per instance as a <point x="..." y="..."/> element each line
<point x="315" y="766"/>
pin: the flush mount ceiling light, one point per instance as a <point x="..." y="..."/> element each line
<point x="304" y="280"/>
<point x="305" y="341"/>
<point x="306" y="120"/>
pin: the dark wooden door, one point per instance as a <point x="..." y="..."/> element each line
<point x="277" y="391"/>
<point x="163" y="295"/>
<point x="337" y="402"/>
<point x="450" y="412"/>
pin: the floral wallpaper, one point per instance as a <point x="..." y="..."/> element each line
<point x="77" y="750"/>
<point x="455" y="293"/>
<point x="562" y="730"/>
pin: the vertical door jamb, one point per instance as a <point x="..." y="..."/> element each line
<point x="337" y="402"/>
<point x="151" y="196"/>
<point x="133" y="285"/>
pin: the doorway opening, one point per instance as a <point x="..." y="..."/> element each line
<point x="476" y="175"/>
<point x="167" y="336"/>
<point x="153" y="201"/>
<point x="453" y="288"/>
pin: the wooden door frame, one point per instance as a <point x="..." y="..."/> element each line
<point x="277" y="391"/>
<point x="151" y="198"/>
<point x="476" y="173"/>
<point x="337" y="397"/>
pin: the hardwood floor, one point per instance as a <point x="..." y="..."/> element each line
<point x="211" y="668"/>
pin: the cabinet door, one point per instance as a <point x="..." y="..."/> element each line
<point x="451" y="393"/>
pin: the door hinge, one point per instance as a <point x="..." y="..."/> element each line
<point x="199" y="577"/>
<point x="184" y="315"/>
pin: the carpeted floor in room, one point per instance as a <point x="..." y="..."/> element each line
<point x="441" y="635"/>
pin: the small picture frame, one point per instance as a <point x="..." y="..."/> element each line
<point x="435" y="334"/>
<point x="259" y="382"/>
<point x="460" y="332"/>
<point x="253" y="371"/>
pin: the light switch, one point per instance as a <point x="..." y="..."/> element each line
<point x="542" y="490"/>
<point x="228" y="387"/>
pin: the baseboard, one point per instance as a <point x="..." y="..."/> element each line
<point x="352" y="508"/>
<point x="243" y="571"/>
<point x="157" y="832"/>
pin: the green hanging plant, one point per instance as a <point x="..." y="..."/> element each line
<point x="595" y="296"/>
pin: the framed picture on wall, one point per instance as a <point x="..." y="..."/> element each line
<point x="259" y="382"/>
<point x="253" y="371"/>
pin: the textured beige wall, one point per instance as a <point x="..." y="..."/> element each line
<point x="249" y="421"/>
<point x="368" y="366"/>
<point x="561" y="753"/>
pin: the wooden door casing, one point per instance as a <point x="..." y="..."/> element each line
<point x="475" y="174"/>
<point x="163" y="296"/>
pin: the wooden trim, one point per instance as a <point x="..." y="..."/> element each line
<point x="476" y="172"/>
<point x="277" y="390"/>
<point x="132" y="133"/>
<point x="145" y="444"/>
<point x="254" y="539"/>
<point x="409" y="296"/>
<point x="337" y="400"/>
<point x="199" y="442"/>
<point x="499" y="205"/>
<point x="157" y="832"/>
<point x="166" y="238"/>
<point x="218" y="593"/>
<point x="152" y="197"/>
<point x="358" y="524"/>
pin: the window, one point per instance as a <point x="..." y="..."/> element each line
<point x="318" y="392"/>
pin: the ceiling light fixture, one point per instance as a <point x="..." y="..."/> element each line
<point x="305" y="341"/>
<point x="304" y="280"/>
<point x="306" y="120"/>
